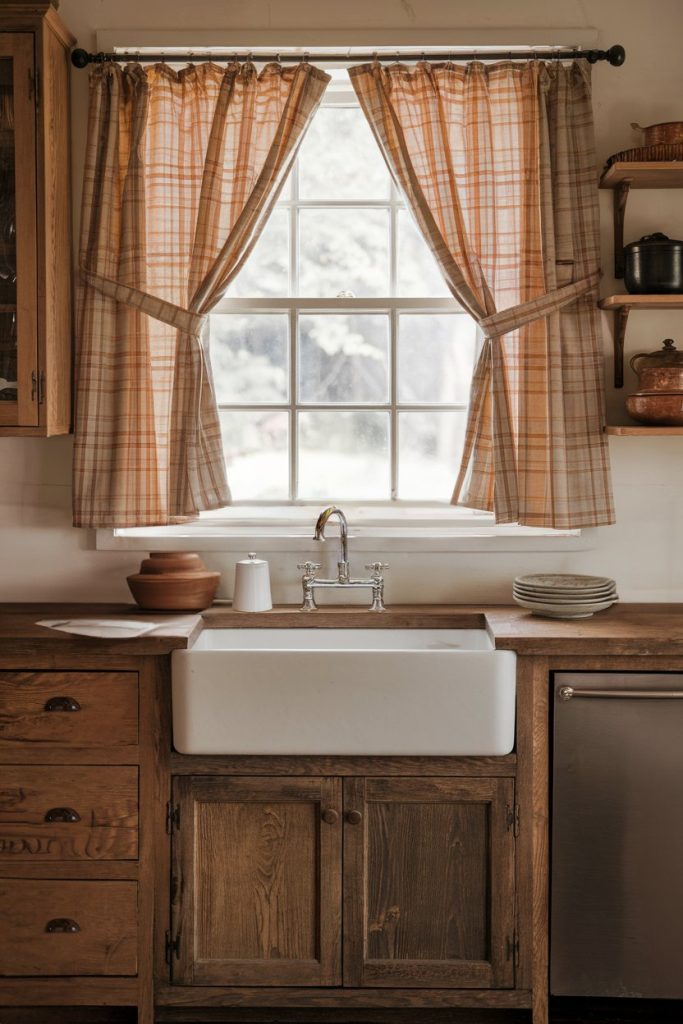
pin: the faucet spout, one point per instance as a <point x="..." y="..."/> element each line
<point x="319" y="534"/>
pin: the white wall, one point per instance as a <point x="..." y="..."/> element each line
<point x="43" y="558"/>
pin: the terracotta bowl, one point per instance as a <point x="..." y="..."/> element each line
<point x="172" y="561"/>
<point x="173" y="581"/>
<point x="659" y="408"/>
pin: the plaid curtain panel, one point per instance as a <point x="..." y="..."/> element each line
<point x="181" y="173"/>
<point x="497" y="164"/>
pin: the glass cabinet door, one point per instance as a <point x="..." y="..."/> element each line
<point x="18" y="297"/>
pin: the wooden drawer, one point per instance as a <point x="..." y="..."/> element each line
<point x="69" y="709"/>
<point x="67" y="928"/>
<point x="59" y="812"/>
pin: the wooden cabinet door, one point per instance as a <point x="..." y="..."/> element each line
<point x="429" y="883"/>
<point x="257" y="881"/>
<point x="18" y="253"/>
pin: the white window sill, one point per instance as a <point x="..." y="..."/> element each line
<point x="420" y="530"/>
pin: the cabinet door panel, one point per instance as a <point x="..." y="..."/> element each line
<point x="429" y="883"/>
<point x="257" y="881"/>
<point x="18" y="258"/>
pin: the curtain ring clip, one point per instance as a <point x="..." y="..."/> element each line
<point x="304" y="57"/>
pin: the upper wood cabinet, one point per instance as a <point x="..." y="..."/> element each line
<point x="35" y="222"/>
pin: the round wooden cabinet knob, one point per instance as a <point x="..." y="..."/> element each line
<point x="354" y="817"/>
<point x="330" y="816"/>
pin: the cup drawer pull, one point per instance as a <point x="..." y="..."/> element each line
<point x="62" y="814"/>
<point x="63" y="925"/>
<point x="62" y="704"/>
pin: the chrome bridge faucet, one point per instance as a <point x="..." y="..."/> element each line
<point x="310" y="582"/>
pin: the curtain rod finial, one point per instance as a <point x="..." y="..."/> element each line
<point x="80" y="58"/>
<point x="616" y="55"/>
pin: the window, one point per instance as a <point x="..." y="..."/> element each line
<point x="342" y="364"/>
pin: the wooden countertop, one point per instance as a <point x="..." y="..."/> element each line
<point x="641" y="629"/>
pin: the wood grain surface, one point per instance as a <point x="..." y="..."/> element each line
<point x="257" y="881"/>
<point x="103" y="799"/>
<point x="107" y="714"/>
<point x="106" y="916"/>
<point x="643" y="629"/>
<point x="429" y="883"/>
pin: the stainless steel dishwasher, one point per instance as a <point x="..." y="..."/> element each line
<point x="617" y="835"/>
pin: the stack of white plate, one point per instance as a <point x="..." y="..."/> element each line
<point x="564" y="595"/>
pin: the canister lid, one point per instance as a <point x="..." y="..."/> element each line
<point x="251" y="559"/>
<point x="667" y="355"/>
<point x="657" y="240"/>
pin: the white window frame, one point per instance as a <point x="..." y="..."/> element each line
<point x="397" y="525"/>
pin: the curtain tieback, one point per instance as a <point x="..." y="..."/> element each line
<point x="167" y="312"/>
<point x="543" y="305"/>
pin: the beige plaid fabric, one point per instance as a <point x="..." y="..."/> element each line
<point x="181" y="172"/>
<point x="497" y="164"/>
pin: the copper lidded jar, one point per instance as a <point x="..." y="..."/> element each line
<point x="659" y="399"/>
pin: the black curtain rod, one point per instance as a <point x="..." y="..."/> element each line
<point x="616" y="55"/>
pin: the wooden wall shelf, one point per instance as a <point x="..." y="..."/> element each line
<point x="621" y="306"/>
<point x="644" y="431"/>
<point x="622" y="177"/>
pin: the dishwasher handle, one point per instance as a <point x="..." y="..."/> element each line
<point x="566" y="693"/>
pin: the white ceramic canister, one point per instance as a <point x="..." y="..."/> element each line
<point x="252" y="585"/>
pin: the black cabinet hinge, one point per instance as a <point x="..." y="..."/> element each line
<point x="38" y="386"/>
<point x="512" y="949"/>
<point x="34" y="85"/>
<point x="172" y="817"/>
<point x="172" y="948"/>
<point x="513" y="820"/>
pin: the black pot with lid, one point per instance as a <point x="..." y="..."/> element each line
<point x="654" y="265"/>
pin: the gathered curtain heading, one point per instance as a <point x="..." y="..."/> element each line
<point x="182" y="170"/>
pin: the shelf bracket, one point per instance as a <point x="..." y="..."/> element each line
<point x="619" y="197"/>
<point x="620" y="321"/>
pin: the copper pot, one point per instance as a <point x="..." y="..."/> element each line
<point x="658" y="408"/>
<point x="664" y="133"/>
<point x="661" y="370"/>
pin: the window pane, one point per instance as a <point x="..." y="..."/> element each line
<point x="250" y="357"/>
<point x="435" y="357"/>
<point x="256" y="446"/>
<point x="339" y="158"/>
<point x="417" y="271"/>
<point x="344" y="358"/>
<point x="343" y="251"/>
<point x="344" y="456"/>
<point x="266" y="272"/>
<point x="429" y="449"/>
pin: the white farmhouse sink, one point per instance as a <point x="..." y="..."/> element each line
<point x="344" y="691"/>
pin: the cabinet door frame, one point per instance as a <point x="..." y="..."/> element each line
<point x="499" y="970"/>
<point x="326" y="794"/>
<point x="19" y="47"/>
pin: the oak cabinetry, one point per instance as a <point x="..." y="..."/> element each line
<point x="35" y="221"/>
<point x="59" y="927"/>
<point x="427" y="882"/>
<point x="257" y="881"/>
<point x="76" y="770"/>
